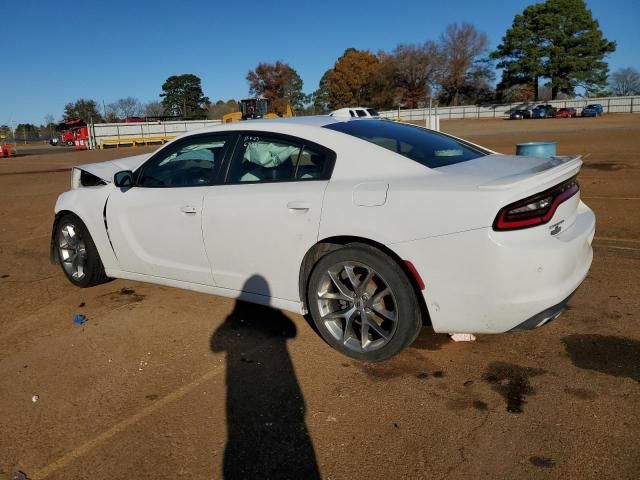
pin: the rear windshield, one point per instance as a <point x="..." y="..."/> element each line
<point x="429" y="148"/>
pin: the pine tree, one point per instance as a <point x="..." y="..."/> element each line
<point x="182" y="95"/>
<point x="558" y="40"/>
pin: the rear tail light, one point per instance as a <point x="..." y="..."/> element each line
<point x="536" y="209"/>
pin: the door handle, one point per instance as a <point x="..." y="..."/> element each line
<point x="189" y="210"/>
<point x="298" y="207"/>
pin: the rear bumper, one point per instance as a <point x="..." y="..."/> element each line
<point x="544" y="317"/>
<point x="482" y="281"/>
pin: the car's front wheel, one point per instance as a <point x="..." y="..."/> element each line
<point x="363" y="303"/>
<point x="77" y="254"/>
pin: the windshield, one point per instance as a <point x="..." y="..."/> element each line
<point x="429" y="148"/>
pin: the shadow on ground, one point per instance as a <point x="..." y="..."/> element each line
<point x="267" y="435"/>
<point x="616" y="356"/>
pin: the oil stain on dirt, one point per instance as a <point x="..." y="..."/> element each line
<point x="615" y="356"/>
<point x="480" y="405"/>
<point x="604" y="166"/>
<point x="125" y="296"/>
<point x="581" y="393"/>
<point x="458" y="404"/>
<point x="462" y="403"/>
<point x="512" y="383"/>
<point x="544" y="462"/>
<point x="408" y="363"/>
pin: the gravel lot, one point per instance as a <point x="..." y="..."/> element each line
<point x="163" y="383"/>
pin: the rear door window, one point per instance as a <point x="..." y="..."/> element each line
<point x="429" y="148"/>
<point x="261" y="158"/>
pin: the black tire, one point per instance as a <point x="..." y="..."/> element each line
<point x="93" y="270"/>
<point x="387" y="273"/>
<point x="70" y="143"/>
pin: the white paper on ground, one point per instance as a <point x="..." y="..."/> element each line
<point x="463" y="337"/>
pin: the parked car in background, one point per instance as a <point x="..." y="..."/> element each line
<point x="318" y="215"/>
<point x="543" y="111"/>
<point x="568" y="112"/>
<point x="593" y="110"/>
<point x="520" y="113"/>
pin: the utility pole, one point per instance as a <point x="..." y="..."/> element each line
<point x="15" y="134"/>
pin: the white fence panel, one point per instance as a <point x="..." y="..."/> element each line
<point x="99" y="132"/>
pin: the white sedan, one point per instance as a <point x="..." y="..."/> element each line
<point x="374" y="228"/>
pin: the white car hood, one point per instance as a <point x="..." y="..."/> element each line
<point x="106" y="170"/>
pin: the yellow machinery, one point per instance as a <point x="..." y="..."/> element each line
<point x="254" y="108"/>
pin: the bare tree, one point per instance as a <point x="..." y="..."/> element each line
<point x="220" y="108"/>
<point x="414" y="71"/>
<point x="128" y="107"/>
<point x="49" y="125"/>
<point x="625" y="82"/>
<point x="111" y="113"/>
<point x="153" y="109"/>
<point x="462" y="45"/>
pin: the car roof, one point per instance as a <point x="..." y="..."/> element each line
<point x="312" y="121"/>
<point x="307" y="121"/>
<point x="315" y="121"/>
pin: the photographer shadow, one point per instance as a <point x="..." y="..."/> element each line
<point x="267" y="435"/>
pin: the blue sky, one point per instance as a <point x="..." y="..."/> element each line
<point x="53" y="53"/>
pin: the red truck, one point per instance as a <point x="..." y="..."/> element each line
<point x="70" y="131"/>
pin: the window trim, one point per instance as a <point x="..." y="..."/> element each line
<point x="327" y="170"/>
<point x="215" y="179"/>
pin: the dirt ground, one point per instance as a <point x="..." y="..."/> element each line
<point x="162" y="383"/>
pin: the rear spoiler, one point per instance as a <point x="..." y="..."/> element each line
<point x="558" y="168"/>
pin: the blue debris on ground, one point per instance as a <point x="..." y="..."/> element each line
<point x="79" y="319"/>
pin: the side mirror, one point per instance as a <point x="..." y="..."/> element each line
<point x="123" y="179"/>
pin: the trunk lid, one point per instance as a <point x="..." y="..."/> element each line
<point x="505" y="179"/>
<point x="505" y="172"/>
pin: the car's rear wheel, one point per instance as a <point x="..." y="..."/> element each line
<point x="77" y="254"/>
<point x="363" y="304"/>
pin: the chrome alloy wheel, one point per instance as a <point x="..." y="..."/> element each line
<point x="72" y="252"/>
<point x="357" y="306"/>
